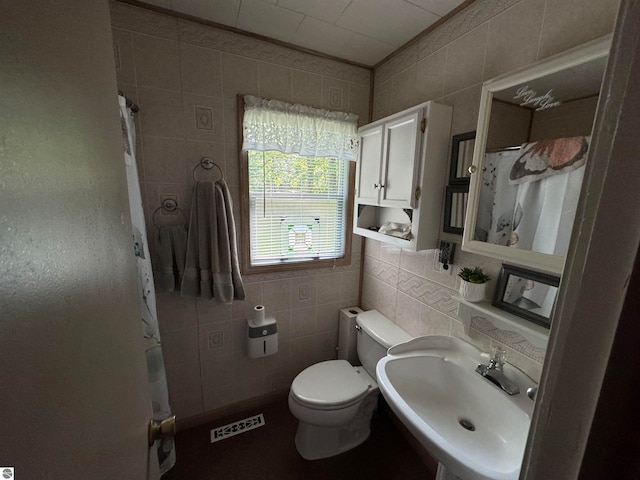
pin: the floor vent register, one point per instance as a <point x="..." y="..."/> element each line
<point x="235" y="428"/>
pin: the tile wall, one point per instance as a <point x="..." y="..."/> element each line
<point x="185" y="77"/>
<point x="448" y="65"/>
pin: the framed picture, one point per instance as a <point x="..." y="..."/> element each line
<point x="530" y="295"/>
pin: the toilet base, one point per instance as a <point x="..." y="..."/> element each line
<point x="314" y="442"/>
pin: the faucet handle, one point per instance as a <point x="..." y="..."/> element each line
<point x="498" y="356"/>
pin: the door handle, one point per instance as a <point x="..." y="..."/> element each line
<point x="161" y="428"/>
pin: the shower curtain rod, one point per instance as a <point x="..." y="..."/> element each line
<point x="134" y="108"/>
<point x="501" y="149"/>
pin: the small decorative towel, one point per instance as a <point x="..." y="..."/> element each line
<point x="548" y="157"/>
<point x="170" y="244"/>
<point x="212" y="268"/>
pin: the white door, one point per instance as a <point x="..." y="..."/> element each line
<point x="369" y="163"/>
<point x="401" y="161"/>
<point x="74" y="400"/>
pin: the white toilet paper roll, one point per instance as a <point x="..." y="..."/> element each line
<point x="258" y="314"/>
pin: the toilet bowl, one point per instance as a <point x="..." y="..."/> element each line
<point x="334" y="400"/>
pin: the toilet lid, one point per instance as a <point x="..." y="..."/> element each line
<point x="330" y="383"/>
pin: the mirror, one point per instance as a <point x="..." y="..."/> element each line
<point x="457" y="193"/>
<point x="461" y="158"/>
<point x="531" y="148"/>
<point x="528" y="294"/>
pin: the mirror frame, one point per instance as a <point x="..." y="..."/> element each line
<point x="542" y="261"/>
<point x="456" y="184"/>
<point x="455" y="150"/>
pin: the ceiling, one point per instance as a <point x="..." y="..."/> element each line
<point x="361" y="31"/>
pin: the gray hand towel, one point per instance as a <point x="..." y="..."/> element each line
<point x="210" y="270"/>
<point x="170" y="244"/>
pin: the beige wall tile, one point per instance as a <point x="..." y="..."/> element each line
<point x="430" y="75"/>
<point x="466" y="105"/>
<point x="413" y="262"/>
<point x="382" y="103"/>
<point x="379" y="296"/>
<point x="306" y="88"/>
<point x="185" y="388"/>
<point x="165" y="160"/>
<point x="359" y="102"/>
<point x="303" y="292"/>
<point x="465" y="60"/>
<point x="569" y="23"/>
<point x="349" y="288"/>
<point x="327" y="288"/>
<point x="209" y="337"/>
<point x="382" y="271"/>
<point x="232" y="169"/>
<point x="217" y="382"/>
<point x="231" y="119"/>
<point x="181" y="346"/>
<point x="123" y="52"/>
<point x="275" y="82"/>
<point x="160" y="112"/>
<point x="175" y="312"/>
<point x="404" y="89"/>
<point x="201" y="70"/>
<point x="513" y="43"/>
<point x="157" y="62"/>
<point x="239" y="76"/>
<point x="203" y="118"/>
<point x="335" y="94"/>
<point x="408" y="314"/>
<point x="328" y="317"/>
<point x="283" y="318"/>
<point x="303" y="354"/>
<point x="277" y="295"/>
<point x="210" y="311"/>
<point x="303" y="321"/>
<point x="433" y="322"/>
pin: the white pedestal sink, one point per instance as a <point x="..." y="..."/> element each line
<point x="477" y="431"/>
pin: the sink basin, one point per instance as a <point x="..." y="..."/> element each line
<point x="472" y="427"/>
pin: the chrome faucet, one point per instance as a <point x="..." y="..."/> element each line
<point x="493" y="371"/>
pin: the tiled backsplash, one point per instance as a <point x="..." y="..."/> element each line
<point x="404" y="286"/>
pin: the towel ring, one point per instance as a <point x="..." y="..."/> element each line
<point x="207" y="164"/>
<point x="169" y="205"/>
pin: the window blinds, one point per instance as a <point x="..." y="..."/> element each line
<point x="298" y="171"/>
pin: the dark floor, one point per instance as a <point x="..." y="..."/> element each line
<point x="269" y="453"/>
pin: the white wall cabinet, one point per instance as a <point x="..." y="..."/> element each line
<point x="401" y="172"/>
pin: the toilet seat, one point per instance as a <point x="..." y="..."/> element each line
<point x="331" y="385"/>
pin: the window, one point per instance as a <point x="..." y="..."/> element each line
<point x="296" y="181"/>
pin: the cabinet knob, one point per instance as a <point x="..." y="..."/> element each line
<point x="473" y="169"/>
<point x="380" y="186"/>
<point x="376" y="186"/>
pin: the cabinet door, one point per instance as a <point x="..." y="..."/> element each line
<point x="369" y="162"/>
<point x="400" y="165"/>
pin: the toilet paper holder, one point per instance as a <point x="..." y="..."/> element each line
<point x="262" y="334"/>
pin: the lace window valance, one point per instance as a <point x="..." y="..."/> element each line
<point x="311" y="132"/>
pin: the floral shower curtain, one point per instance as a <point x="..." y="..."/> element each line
<point x="158" y="390"/>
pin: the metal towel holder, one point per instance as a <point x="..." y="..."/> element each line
<point x="169" y="205"/>
<point x="207" y="164"/>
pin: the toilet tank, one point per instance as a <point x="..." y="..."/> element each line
<point x="376" y="335"/>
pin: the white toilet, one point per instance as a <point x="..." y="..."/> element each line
<point x="334" y="400"/>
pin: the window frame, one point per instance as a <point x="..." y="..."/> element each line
<point x="245" y="229"/>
